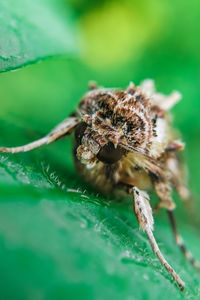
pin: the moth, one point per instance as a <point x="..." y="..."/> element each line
<point x="124" y="143"/>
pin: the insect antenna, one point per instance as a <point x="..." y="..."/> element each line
<point x="27" y="147"/>
<point x="58" y="132"/>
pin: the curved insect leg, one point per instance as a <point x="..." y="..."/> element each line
<point x="179" y="179"/>
<point x="58" y="132"/>
<point x="163" y="191"/>
<point x="179" y="241"/>
<point x="177" y="169"/>
<point x="144" y="216"/>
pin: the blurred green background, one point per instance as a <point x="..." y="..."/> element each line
<point x="58" y="238"/>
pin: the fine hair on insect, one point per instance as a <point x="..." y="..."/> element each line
<point x="124" y="142"/>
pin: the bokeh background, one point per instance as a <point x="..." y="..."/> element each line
<point x="58" y="238"/>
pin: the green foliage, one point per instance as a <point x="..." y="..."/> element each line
<point x="59" y="239"/>
<point x="33" y="30"/>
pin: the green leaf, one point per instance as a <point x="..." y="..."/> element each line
<point x="33" y="30"/>
<point x="59" y="242"/>
<point x="59" y="239"/>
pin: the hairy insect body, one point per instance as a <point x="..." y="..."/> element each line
<point x="116" y="122"/>
<point x="124" y="143"/>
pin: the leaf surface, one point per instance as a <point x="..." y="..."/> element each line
<point x="59" y="239"/>
<point x="34" y="30"/>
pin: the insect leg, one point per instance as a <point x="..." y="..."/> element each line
<point x="180" y="242"/>
<point x="58" y="132"/>
<point x="144" y="216"/>
<point x="179" y="175"/>
<point x="163" y="191"/>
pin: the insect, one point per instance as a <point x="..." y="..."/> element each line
<point x="123" y="142"/>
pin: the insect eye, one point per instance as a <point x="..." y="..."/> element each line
<point x="79" y="132"/>
<point x="109" y="154"/>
